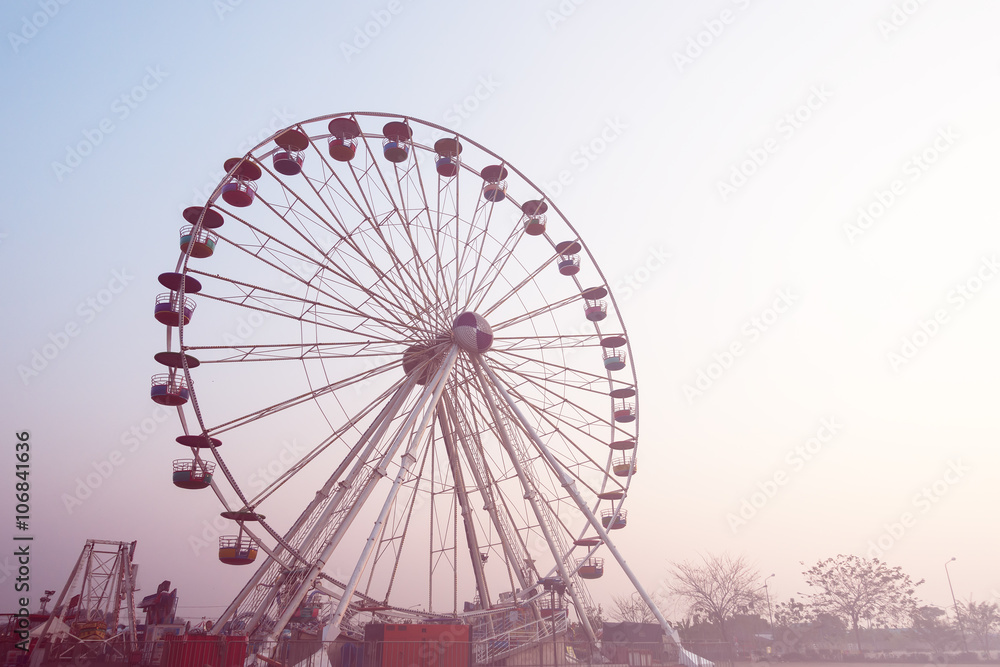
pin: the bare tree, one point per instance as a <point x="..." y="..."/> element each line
<point x="718" y="588"/>
<point x="631" y="609"/>
<point x="852" y="588"/>
<point x="980" y="619"/>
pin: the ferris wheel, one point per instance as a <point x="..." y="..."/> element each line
<point x="406" y="381"/>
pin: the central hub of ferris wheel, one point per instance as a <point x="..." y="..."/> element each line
<point x="472" y="333"/>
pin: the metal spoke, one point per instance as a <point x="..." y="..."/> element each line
<point x="407" y="324"/>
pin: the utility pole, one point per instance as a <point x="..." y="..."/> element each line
<point x="958" y="615"/>
<point x="553" y="585"/>
<point x="770" y="619"/>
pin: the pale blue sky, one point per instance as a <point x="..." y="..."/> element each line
<point x="160" y="95"/>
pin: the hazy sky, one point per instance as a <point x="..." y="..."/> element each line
<point x="795" y="205"/>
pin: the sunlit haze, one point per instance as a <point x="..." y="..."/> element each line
<point x="792" y="204"/>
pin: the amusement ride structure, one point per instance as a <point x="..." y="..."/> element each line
<point x="96" y="606"/>
<point x="413" y="343"/>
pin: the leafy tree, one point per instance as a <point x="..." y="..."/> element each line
<point x="686" y="627"/>
<point x="695" y="628"/>
<point x="791" y="623"/>
<point x="930" y="625"/>
<point x="718" y="588"/>
<point x="796" y="625"/>
<point x="791" y="614"/>
<point x="683" y="627"/>
<point x="827" y="629"/>
<point x="980" y="619"/>
<point x="853" y="588"/>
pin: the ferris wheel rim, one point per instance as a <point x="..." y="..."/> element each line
<point x="186" y="271"/>
<point x="237" y="162"/>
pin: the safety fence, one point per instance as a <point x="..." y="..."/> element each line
<point x="211" y="651"/>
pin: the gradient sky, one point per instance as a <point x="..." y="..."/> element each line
<point x="795" y="205"/>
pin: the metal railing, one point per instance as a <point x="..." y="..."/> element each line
<point x="530" y="645"/>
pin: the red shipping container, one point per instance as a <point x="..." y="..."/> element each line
<point x="417" y="645"/>
<point x="204" y="651"/>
